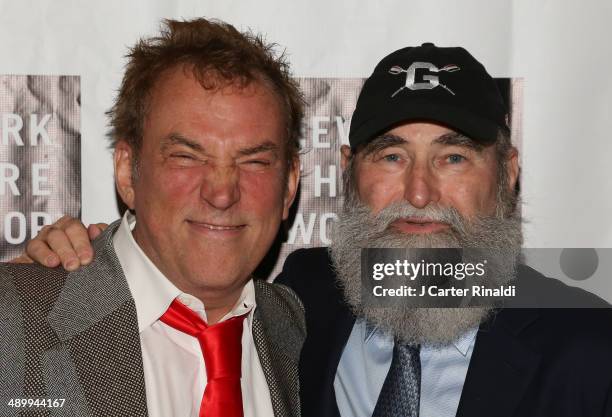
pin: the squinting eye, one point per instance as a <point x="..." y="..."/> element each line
<point x="259" y="162"/>
<point x="256" y="165"/>
<point x="182" y="156"/>
<point x="455" y="158"/>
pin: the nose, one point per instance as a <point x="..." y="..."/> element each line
<point x="421" y="187"/>
<point x="220" y="188"/>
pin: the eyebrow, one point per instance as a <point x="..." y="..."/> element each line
<point x="382" y="142"/>
<point x="264" y="147"/>
<point x="458" y="139"/>
<point x="449" y="139"/>
<point x="178" y="139"/>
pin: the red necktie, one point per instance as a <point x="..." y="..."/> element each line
<point x="221" y="346"/>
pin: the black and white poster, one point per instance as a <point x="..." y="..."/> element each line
<point x="40" y="155"/>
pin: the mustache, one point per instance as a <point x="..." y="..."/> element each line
<point x="380" y="222"/>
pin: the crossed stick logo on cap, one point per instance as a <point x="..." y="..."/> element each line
<point x="427" y="82"/>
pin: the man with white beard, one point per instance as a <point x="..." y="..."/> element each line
<point x="431" y="165"/>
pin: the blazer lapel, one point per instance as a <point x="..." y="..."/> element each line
<point x="281" y="403"/>
<point x="278" y="341"/>
<point x="329" y="324"/>
<point x="98" y="352"/>
<point x="344" y="325"/>
<point x="501" y="367"/>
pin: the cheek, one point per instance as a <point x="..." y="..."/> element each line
<point x="262" y="193"/>
<point x="472" y="196"/>
<point x="167" y="187"/>
<point x="377" y="190"/>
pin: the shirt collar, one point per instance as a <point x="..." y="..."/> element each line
<point x="245" y="303"/>
<point x="462" y="343"/>
<point x="152" y="291"/>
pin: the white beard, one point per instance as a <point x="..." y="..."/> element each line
<point x="357" y="228"/>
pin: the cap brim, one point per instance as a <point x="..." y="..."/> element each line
<point x="475" y="127"/>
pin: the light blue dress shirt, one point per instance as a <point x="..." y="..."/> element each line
<point x="365" y="362"/>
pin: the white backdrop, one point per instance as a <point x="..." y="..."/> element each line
<point x="561" y="49"/>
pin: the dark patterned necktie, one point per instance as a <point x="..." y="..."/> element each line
<point x="400" y="393"/>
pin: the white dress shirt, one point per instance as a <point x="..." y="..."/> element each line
<point x="174" y="371"/>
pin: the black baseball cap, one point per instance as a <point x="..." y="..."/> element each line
<point x="427" y="83"/>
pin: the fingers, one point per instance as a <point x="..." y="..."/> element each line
<point x="22" y="259"/>
<point x="95" y="229"/>
<point x="40" y="252"/>
<point x="79" y="239"/>
<point x="65" y="242"/>
<point x="59" y="242"/>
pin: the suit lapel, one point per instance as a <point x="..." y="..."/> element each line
<point x="344" y="325"/>
<point x="278" y="342"/>
<point x="501" y="367"/>
<point x="95" y="322"/>
<point x="281" y="404"/>
<point x="329" y="327"/>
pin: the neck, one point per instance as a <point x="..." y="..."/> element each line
<point x="217" y="307"/>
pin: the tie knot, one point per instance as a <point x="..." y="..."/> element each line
<point x="221" y="343"/>
<point x="408" y="348"/>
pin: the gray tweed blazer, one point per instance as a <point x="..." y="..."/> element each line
<point x="74" y="336"/>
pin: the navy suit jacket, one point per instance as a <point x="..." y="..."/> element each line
<point x="526" y="362"/>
